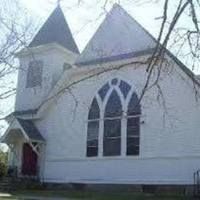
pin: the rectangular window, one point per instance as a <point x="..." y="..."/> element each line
<point x="133" y="137"/>
<point x="92" y="138"/>
<point x="112" y="137"/>
<point x="34" y="74"/>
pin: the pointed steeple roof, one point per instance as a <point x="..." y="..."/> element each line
<point x="118" y="37"/>
<point x="55" y="29"/>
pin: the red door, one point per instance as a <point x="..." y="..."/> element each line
<point x="29" y="162"/>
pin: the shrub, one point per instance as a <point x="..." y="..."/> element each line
<point x="3" y="169"/>
<point x="3" y="163"/>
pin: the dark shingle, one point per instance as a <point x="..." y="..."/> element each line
<point x="55" y="29"/>
<point x="31" y="130"/>
<point x="25" y="112"/>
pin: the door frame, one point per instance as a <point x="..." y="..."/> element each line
<point x="22" y="162"/>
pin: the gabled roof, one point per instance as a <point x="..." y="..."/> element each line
<point x="55" y="29"/>
<point x="31" y="130"/>
<point x="118" y="37"/>
<point x="25" y="127"/>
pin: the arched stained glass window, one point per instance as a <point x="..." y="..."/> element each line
<point x="103" y="91"/>
<point x="134" y="105"/>
<point x="113" y="106"/>
<point x="94" y="112"/>
<point x="125" y="88"/>
<point x="112" y="120"/>
<point x="133" y="126"/>
<point x="112" y="126"/>
<point x="93" y="129"/>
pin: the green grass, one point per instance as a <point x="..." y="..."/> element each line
<point x="95" y="195"/>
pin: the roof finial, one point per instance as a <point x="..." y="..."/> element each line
<point x="58" y="2"/>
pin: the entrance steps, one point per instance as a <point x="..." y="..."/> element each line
<point x="6" y="184"/>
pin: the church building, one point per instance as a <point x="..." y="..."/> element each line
<point x="79" y="117"/>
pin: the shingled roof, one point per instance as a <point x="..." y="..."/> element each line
<point x="31" y="130"/>
<point x="55" y="29"/>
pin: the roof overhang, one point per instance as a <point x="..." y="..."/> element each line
<point x="120" y="57"/>
<point x="43" y="48"/>
<point x="23" y="114"/>
<point x="24" y="128"/>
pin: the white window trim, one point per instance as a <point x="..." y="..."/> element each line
<point x="124" y="118"/>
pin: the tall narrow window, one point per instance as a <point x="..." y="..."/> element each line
<point x="93" y="129"/>
<point x="112" y="126"/>
<point x="133" y="126"/>
<point x="34" y="74"/>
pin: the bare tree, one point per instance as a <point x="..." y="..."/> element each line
<point x="182" y="38"/>
<point x="15" y="33"/>
<point x="15" y="29"/>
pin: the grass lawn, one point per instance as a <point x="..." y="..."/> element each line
<point x="93" y="195"/>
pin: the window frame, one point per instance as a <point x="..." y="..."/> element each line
<point x="93" y="117"/>
<point x="88" y="153"/>
<point x="125" y="100"/>
<point x="133" y="136"/>
<point x="31" y="82"/>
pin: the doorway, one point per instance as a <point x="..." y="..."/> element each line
<point x="29" y="161"/>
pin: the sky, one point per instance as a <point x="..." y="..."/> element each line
<point x="84" y="18"/>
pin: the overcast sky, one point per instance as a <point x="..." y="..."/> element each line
<point x="84" y="18"/>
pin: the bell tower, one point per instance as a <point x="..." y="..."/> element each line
<point x="43" y="62"/>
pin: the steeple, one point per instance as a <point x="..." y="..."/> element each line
<point x="55" y="29"/>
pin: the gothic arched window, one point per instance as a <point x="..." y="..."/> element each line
<point x="93" y="129"/>
<point x="108" y="118"/>
<point x="133" y="126"/>
<point x="112" y="126"/>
